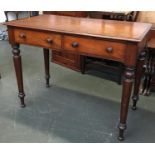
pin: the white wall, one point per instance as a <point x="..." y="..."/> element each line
<point x="2" y="16"/>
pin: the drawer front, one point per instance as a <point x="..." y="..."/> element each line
<point x="94" y="47"/>
<point x="43" y="39"/>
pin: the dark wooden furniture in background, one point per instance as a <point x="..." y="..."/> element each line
<point x="6" y="14"/>
<point x="67" y="59"/>
<point x="68" y="13"/>
<point x="75" y="35"/>
<point x="115" y="15"/>
<point x="148" y="84"/>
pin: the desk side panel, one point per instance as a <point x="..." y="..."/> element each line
<point x="11" y="35"/>
<point x="131" y="55"/>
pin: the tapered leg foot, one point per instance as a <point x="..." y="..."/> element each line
<point x="121" y="135"/>
<point x="22" y="103"/>
<point x="47" y="81"/>
<point x="134" y="107"/>
<point x="122" y="128"/>
<point x="135" y="99"/>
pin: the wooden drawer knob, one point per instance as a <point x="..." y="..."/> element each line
<point x="75" y="44"/>
<point x="49" y="40"/>
<point x="22" y="35"/>
<point x="109" y="49"/>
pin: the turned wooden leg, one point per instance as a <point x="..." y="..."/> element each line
<point x="138" y="76"/>
<point x="18" y="69"/>
<point x="126" y="92"/>
<point x="47" y="66"/>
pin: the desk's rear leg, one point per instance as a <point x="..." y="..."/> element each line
<point x="47" y="66"/>
<point x="18" y="69"/>
<point x="126" y="93"/>
<point x="138" y="76"/>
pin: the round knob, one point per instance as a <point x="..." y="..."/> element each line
<point x="109" y="49"/>
<point x="75" y="44"/>
<point x="22" y="35"/>
<point x="49" y="40"/>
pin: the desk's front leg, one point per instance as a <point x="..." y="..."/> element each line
<point x="126" y="93"/>
<point x="18" y="69"/>
<point x="47" y="66"/>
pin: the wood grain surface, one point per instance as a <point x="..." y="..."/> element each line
<point x="121" y="30"/>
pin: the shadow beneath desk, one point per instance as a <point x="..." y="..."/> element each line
<point x="62" y="115"/>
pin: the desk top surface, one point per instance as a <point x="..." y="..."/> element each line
<point x="120" y="30"/>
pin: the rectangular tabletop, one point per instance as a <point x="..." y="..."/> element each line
<point x="120" y="30"/>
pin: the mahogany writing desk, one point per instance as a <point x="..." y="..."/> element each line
<point x="114" y="40"/>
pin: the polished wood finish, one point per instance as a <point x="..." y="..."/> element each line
<point x="113" y="70"/>
<point x="70" y="60"/>
<point x="67" y="59"/>
<point x="44" y="39"/>
<point x="105" y="49"/>
<point x="126" y="93"/>
<point x="122" y="41"/>
<point x="18" y="69"/>
<point x="106" y="29"/>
